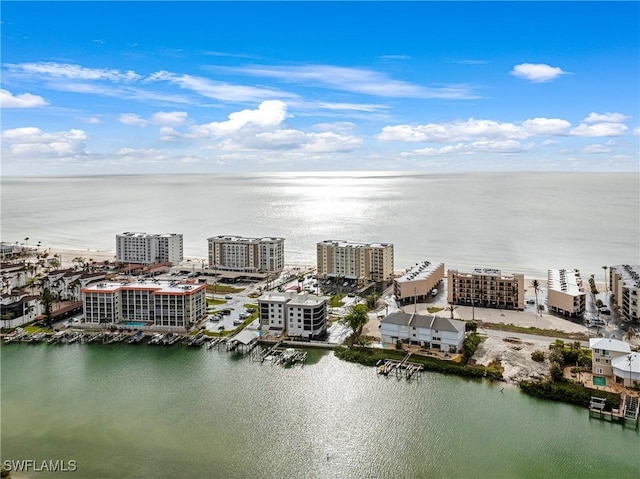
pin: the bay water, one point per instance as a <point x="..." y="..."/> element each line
<point x="155" y="412"/>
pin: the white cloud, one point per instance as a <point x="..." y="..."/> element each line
<point x="28" y="141"/>
<point x="605" y="118"/>
<point x="600" y="129"/>
<point x="219" y="90"/>
<point x="269" y="114"/>
<point x="455" y="131"/>
<point x="22" y="100"/>
<point x="546" y="126"/>
<point x="72" y="71"/>
<point x="169" y="118"/>
<point x="537" y="72"/>
<point x="356" y="80"/>
<point x="132" y="119"/>
<point x="596" y="148"/>
<point x="395" y="57"/>
<point x="92" y="120"/>
<point x="340" y="126"/>
<point x="483" y="146"/>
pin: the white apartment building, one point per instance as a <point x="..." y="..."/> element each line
<point x="624" y="282"/>
<point x="417" y="282"/>
<point x="251" y="255"/>
<point x="486" y="287"/>
<point x="355" y="261"/>
<point x="144" y="248"/>
<point x="160" y="303"/>
<point x="565" y="293"/>
<point x="300" y="315"/>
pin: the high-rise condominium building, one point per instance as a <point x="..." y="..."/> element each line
<point x="566" y="294"/>
<point x="144" y="248"/>
<point x="624" y="283"/>
<point x="355" y="261"/>
<point x="250" y="255"/>
<point x="486" y="287"/>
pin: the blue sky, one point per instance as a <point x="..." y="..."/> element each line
<point x="180" y="87"/>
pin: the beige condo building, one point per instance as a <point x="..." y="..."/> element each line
<point x="355" y="261"/>
<point x="486" y="287"/>
<point x="624" y="282"/>
<point x="417" y="282"/>
<point x="248" y="255"/>
<point x="565" y="294"/>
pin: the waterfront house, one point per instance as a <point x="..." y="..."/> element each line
<point x="18" y="309"/>
<point x="603" y="352"/>
<point x="426" y="330"/>
<point x="626" y="369"/>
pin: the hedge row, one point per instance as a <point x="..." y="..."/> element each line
<point x="567" y="391"/>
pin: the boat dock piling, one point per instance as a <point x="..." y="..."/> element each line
<point x="402" y="369"/>
<point x="628" y="412"/>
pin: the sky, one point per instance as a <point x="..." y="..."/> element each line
<point x="217" y="87"/>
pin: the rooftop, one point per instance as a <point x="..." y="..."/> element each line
<point x="609" y="344"/>
<point x="565" y="281"/>
<point x="629" y="274"/>
<point x="419" y="271"/>
<point x="243" y="239"/>
<point x="157" y="286"/>
<point x="353" y="244"/>
<point x="628" y="363"/>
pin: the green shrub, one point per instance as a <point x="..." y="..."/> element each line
<point x="470" y="345"/>
<point x="569" y="392"/>
<point x="537" y="356"/>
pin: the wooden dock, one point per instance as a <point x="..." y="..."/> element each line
<point x="401" y="369"/>
<point x="627" y="413"/>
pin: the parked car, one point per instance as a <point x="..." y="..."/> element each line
<point x="605" y="311"/>
<point x="228" y="296"/>
<point x="225" y="311"/>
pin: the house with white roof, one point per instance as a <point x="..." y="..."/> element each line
<point x="426" y="330"/>
<point x="603" y="352"/>
<point x="626" y="369"/>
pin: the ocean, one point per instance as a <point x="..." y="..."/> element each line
<point x="518" y="222"/>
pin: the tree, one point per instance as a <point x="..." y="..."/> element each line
<point x="606" y="284"/>
<point x="514" y="292"/>
<point x="356" y="318"/>
<point x="536" y="287"/>
<point x="47" y="301"/>
<point x="451" y="307"/>
<point x="372" y="300"/>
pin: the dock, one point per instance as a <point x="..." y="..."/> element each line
<point x="627" y="413"/>
<point x="279" y="355"/>
<point x="402" y="369"/>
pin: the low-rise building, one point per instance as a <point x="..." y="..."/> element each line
<point x="249" y="255"/>
<point x="17" y="310"/>
<point x="603" y="351"/>
<point x="486" y="287"/>
<point x="426" y="330"/>
<point x="417" y="283"/>
<point x="298" y="315"/>
<point x="565" y="293"/>
<point x="161" y="303"/>
<point x="624" y="282"/>
<point x="626" y="370"/>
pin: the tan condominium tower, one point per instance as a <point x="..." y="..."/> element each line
<point x="486" y="287"/>
<point x="355" y="261"/>
<point x="249" y="255"/>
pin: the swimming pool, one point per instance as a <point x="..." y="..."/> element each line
<point x="134" y="324"/>
<point x="599" y="381"/>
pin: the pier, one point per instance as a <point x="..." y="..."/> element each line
<point x="402" y="369"/>
<point x="628" y="412"/>
<point x="279" y="355"/>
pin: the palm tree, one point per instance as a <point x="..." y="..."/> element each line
<point x="450" y="308"/>
<point x="479" y="291"/>
<point x="514" y="292"/>
<point x="606" y="284"/>
<point x="536" y="287"/>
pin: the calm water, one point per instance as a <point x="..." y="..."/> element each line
<point x="520" y="222"/>
<point x="136" y="411"/>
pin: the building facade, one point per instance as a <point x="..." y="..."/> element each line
<point x="565" y="294"/>
<point x="250" y="255"/>
<point x="144" y="248"/>
<point x="603" y="352"/>
<point x="298" y="315"/>
<point x="624" y="282"/>
<point x="486" y="287"/>
<point x="355" y="261"/>
<point x="417" y="283"/>
<point x="425" y="330"/>
<point x="160" y="303"/>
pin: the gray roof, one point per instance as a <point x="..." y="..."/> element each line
<point x="426" y="321"/>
